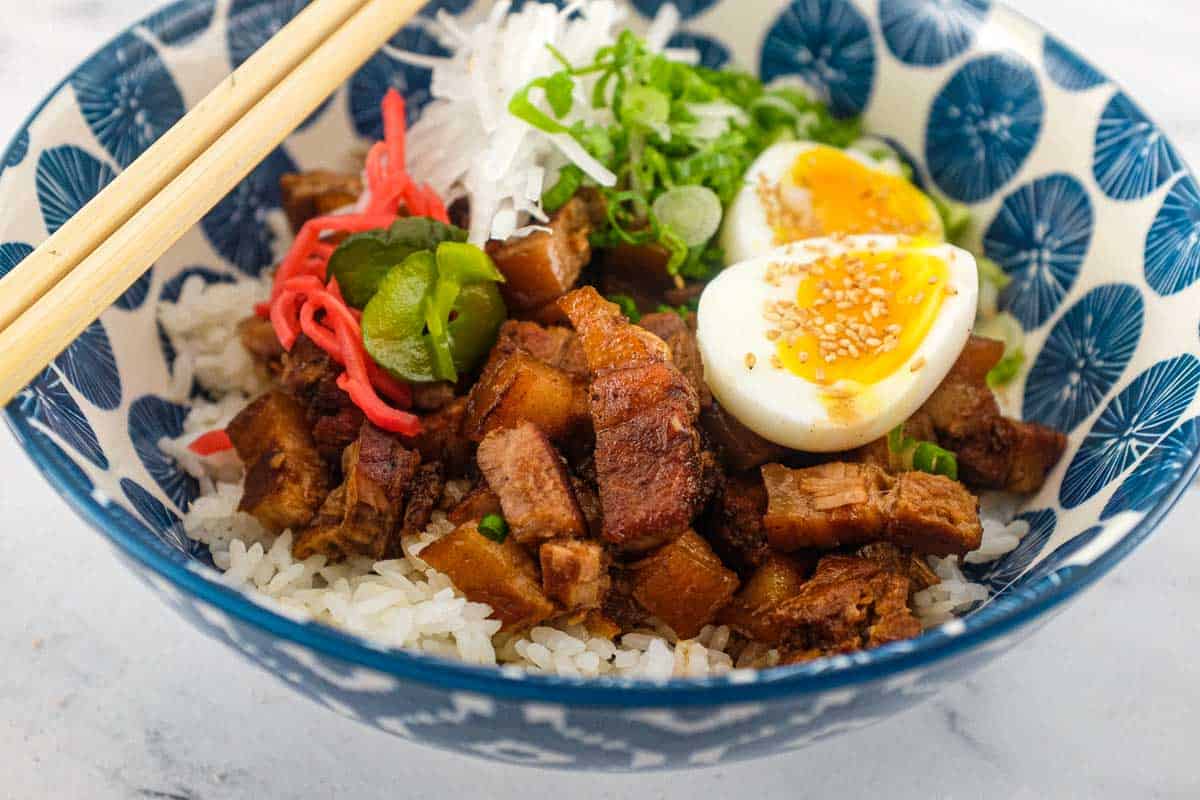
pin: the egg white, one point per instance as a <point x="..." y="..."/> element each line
<point x="789" y="410"/>
<point x="746" y="232"/>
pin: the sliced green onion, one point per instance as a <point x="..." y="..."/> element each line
<point x="956" y="218"/>
<point x="928" y="457"/>
<point x="692" y="212"/>
<point x="568" y="183"/>
<point x="645" y="106"/>
<point x="627" y="305"/>
<point x="494" y="527"/>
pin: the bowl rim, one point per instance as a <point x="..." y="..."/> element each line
<point x="822" y="675"/>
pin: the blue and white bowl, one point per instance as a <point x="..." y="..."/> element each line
<point x="1081" y="198"/>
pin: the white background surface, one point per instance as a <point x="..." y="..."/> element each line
<point x="104" y="693"/>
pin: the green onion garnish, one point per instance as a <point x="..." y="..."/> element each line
<point x="911" y="454"/>
<point x="627" y="305"/>
<point x="494" y="527"/>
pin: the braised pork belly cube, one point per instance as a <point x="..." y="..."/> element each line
<point x="313" y="194"/>
<point x="432" y="396"/>
<point x="651" y="470"/>
<point x="501" y="574"/>
<point x="685" y="351"/>
<point x="574" y="573"/>
<point x="684" y="584"/>
<point x="993" y="451"/>
<point x="361" y="517"/>
<point x="258" y="337"/>
<point x="638" y="271"/>
<point x="901" y="562"/>
<point x="738" y="446"/>
<point x="837" y="504"/>
<point x="517" y="387"/>
<point x="442" y="439"/>
<point x="848" y="604"/>
<point x="734" y="524"/>
<point x="286" y="480"/>
<point x="530" y="478"/>
<point x="424" y="494"/>
<point x="543" y="266"/>
<point x="777" y="579"/>
<point x="476" y="504"/>
<point x="553" y="344"/>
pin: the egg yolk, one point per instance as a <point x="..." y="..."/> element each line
<point x="829" y="192"/>
<point x="857" y="316"/>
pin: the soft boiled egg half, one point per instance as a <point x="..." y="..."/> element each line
<point x="803" y="190"/>
<point x="827" y="344"/>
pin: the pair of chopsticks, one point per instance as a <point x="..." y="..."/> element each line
<point x="60" y="288"/>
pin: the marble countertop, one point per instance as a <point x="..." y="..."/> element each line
<point x="116" y="698"/>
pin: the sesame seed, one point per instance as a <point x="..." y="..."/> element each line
<point x="917" y="298"/>
<point x="773" y="334"/>
<point x="776" y="362"/>
<point x="803" y="356"/>
<point x="877" y="291"/>
<point x="932" y="280"/>
<point x="950" y="290"/>
<point x="829" y="359"/>
<point x="751" y="360"/>
<point x="820" y="374"/>
<point x="916" y="365"/>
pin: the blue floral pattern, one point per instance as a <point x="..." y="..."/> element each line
<point x="162" y="521"/>
<point x="238" y="227"/>
<point x="930" y="32"/>
<point x="449" y="6"/>
<point x="713" y="54"/>
<point x="1084" y="356"/>
<point x="1040" y="237"/>
<point x="1053" y="563"/>
<point x="687" y="8"/>
<point x="127" y="97"/>
<point x="983" y="126"/>
<point x="828" y="44"/>
<point x="1160" y="470"/>
<point x="11" y="254"/>
<point x="1172" y="257"/>
<point x="152" y="419"/>
<point x="1067" y="68"/>
<point x="181" y="22"/>
<point x="382" y="72"/>
<point x="1132" y="423"/>
<point x="90" y="366"/>
<point x="1005" y="570"/>
<point x="67" y="178"/>
<point x="252" y="23"/>
<point x="17" y="150"/>
<point x="1132" y="157"/>
<point x="47" y="401"/>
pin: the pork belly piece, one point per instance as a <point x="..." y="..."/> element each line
<point x="476" y="504"/>
<point x="552" y="344"/>
<point x="738" y="446"/>
<point x="530" y="478"/>
<point x="839" y="504"/>
<point x="735" y="522"/>
<point x="778" y="578"/>
<point x="901" y="562"/>
<point x="311" y="375"/>
<point x="361" y="517"/>
<point x="424" y="494"/>
<point x="286" y="480"/>
<point x="650" y="467"/>
<point x="516" y="387"/>
<point x="993" y="451"/>
<point x="442" y="439"/>
<point x="432" y="396"/>
<point x="684" y="584"/>
<point x="501" y="574"/>
<point x="541" y="267"/>
<point x="257" y="336"/>
<point x="848" y="604"/>
<point x="574" y="573"/>
<point x="312" y="194"/>
<point x="637" y="271"/>
<point x="685" y="352"/>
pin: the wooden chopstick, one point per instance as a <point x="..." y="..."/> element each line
<point x="60" y="315"/>
<point x="167" y="157"/>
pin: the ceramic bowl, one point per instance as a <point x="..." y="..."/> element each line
<point x="1079" y="197"/>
